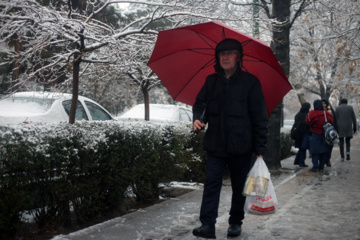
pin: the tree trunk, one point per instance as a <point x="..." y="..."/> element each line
<point x="301" y="97"/>
<point x="281" y="47"/>
<point x="145" y="91"/>
<point x="76" y="74"/>
<point x="75" y="89"/>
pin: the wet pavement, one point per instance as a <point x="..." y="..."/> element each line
<point x="311" y="206"/>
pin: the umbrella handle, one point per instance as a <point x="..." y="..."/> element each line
<point x="202" y="121"/>
<point x="198" y="130"/>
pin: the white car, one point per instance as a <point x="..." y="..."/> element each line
<point x="47" y="107"/>
<point x="288" y="123"/>
<point x="159" y="113"/>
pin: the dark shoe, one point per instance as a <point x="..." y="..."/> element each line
<point x="234" y="230"/>
<point x="328" y="164"/>
<point x="205" y="231"/>
<point x="321" y="170"/>
<point x="348" y="156"/>
<point x="313" y="170"/>
<point x="303" y="165"/>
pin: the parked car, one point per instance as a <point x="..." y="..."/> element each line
<point x="288" y="123"/>
<point x="159" y="113"/>
<point x="48" y="107"/>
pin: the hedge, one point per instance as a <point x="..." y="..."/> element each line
<point x="60" y="172"/>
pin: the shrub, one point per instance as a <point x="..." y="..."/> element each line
<point x="48" y="169"/>
<point x="285" y="144"/>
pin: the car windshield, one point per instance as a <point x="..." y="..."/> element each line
<point x="25" y="104"/>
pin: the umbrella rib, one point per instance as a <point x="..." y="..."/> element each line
<point x="205" y="39"/>
<point x="259" y="60"/>
<point x="204" y="66"/>
<point x="195" y="50"/>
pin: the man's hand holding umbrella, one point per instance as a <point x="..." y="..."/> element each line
<point x="198" y="125"/>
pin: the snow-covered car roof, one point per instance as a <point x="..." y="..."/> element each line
<point x="47" y="107"/>
<point x="288" y="123"/>
<point x="159" y="112"/>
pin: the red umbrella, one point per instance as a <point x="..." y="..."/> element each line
<point x="183" y="58"/>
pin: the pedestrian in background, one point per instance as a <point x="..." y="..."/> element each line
<point x="346" y="126"/>
<point x="318" y="147"/>
<point x="329" y="108"/>
<point x="236" y="114"/>
<point x="301" y="135"/>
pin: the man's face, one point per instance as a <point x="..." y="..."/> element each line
<point x="229" y="59"/>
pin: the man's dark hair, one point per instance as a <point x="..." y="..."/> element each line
<point x="343" y="101"/>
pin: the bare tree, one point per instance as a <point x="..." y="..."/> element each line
<point x="326" y="46"/>
<point x="61" y="41"/>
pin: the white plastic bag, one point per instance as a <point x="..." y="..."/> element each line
<point x="257" y="180"/>
<point x="262" y="206"/>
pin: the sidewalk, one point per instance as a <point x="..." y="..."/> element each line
<point x="311" y="206"/>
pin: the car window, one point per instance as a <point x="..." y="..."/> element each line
<point x="80" y="111"/>
<point x="96" y="112"/>
<point x="26" y="104"/>
<point x="184" y="116"/>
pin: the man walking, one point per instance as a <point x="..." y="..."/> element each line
<point x="233" y="104"/>
<point x="346" y="122"/>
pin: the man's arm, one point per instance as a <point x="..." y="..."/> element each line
<point x="354" y="120"/>
<point x="199" y="107"/>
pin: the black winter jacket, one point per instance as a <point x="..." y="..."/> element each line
<point x="235" y="112"/>
<point x="299" y="123"/>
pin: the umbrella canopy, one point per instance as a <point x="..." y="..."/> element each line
<point x="183" y="58"/>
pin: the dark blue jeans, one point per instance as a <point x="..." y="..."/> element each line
<point x="318" y="160"/>
<point x="328" y="155"/>
<point x="239" y="167"/>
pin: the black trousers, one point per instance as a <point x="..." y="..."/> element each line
<point x="239" y="167"/>
<point x="341" y="145"/>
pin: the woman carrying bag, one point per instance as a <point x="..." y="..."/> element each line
<point x="328" y="107"/>
<point x="318" y="147"/>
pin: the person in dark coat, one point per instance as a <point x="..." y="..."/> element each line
<point x="328" y="107"/>
<point x="318" y="147"/>
<point x="232" y="104"/>
<point x="302" y="135"/>
<point x="346" y="126"/>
